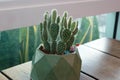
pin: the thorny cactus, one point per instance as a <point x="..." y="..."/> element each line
<point x="57" y="34"/>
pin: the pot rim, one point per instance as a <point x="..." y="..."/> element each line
<point x="73" y="53"/>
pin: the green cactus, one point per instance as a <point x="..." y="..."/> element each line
<point x="41" y="29"/>
<point x="53" y="47"/>
<point x="57" y="34"/>
<point x="66" y="35"/>
<point x="54" y="15"/>
<point x="73" y="26"/>
<point x="45" y="35"/>
<point x="69" y="22"/>
<point x="46" y="16"/>
<point x="60" y="47"/>
<point x="46" y="46"/>
<point x="69" y="43"/>
<point x="54" y="29"/>
<point x="65" y="22"/>
<point x="58" y="19"/>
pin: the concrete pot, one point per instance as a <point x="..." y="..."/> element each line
<point x="55" y="67"/>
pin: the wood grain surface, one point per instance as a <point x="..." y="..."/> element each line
<point x="106" y="45"/>
<point x="85" y="77"/>
<point x="2" y="77"/>
<point x="22" y="72"/>
<point x="99" y="65"/>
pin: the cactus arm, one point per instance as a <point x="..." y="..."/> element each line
<point x="46" y="16"/>
<point x="60" y="48"/>
<point x="62" y="22"/>
<point x="53" y="47"/>
<point x="49" y="22"/>
<point x="69" y="22"/>
<point x="58" y="19"/>
<point x="46" y="46"/>
<point x="54" y="14"/>
<point x="65" y="22"/>
<point x="41" y="30"/>
<point x="54" y="29"/>
<point x="66" y="35"/>
<point x="65" y="14"/>
<point x="75" y="29"/>
<point x="69" y="43"/>
<point x="45" y="35"/>
<point x="61" y="27"/>
<point x="73" y="25"/>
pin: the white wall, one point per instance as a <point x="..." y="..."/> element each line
<point x="20" y="13"/>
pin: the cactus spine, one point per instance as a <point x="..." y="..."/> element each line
<point x="57" y="35"/>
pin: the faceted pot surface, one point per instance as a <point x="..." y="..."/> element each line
<point x="56" y="67"/>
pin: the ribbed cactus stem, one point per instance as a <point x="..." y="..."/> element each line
<point x="73" y="25"/>
<point x="54" y="15"/>
<point x="65" y="14"/>
<point x="69" y="22"/>
<point x="75" y="29"/>
<point x="58" y="19"/>
<point x="66" y="35"/>
<point x="46" y="46"/>
<point x="41" y="31"/>
<point x="46" y="16"/>
<point x="44" y="34"/>
<point x="62" y="22"/>
<point x="60" y="47"/>
<point x="54" y="29"/>
<point x="53" y="47"/>
<point x="49" y="23"/>
<point x="65" y="22"/>
<point x="69" y="43"/>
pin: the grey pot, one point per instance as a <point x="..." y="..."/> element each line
<point x="55" y="67"/>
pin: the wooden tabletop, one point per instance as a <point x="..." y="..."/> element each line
<point x="2" y="77"/>
<point x="22" y="72"/>
<point x="100" y="61"/>
<point x="106" y="45"/>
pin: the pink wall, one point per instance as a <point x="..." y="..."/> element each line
<point x="25" y="13"/>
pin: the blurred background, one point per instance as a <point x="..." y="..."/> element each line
<point x="18" y="45"/>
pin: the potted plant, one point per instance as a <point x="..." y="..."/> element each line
<point x="55" y="58"/>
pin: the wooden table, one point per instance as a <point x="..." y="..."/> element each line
<point x="100" y="61"/>
<point x="2" y="77"/>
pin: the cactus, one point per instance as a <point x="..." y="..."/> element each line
<point x="46" y="46"/>
<point x="57" y="33"/>
<point x="66" y="35"/>
<point x="70" y="42"/>
<point x="53" y="47"/>
<point x="54" y="29"/>
<point x="60" y="47"/>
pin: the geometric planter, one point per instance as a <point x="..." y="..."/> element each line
<point x="55" y="67"/>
